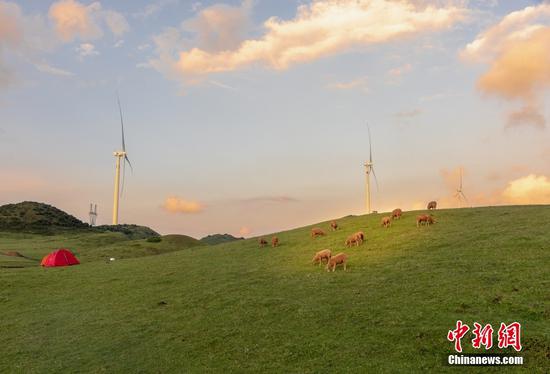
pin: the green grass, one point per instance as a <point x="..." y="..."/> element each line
<point x="238" y="308"/>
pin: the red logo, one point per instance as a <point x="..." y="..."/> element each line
<point x="508" y="335"/>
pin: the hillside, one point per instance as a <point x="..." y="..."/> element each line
<point x="238" y="308"/>
<point x="37" y="217"/>
<point x="215" y="239"/>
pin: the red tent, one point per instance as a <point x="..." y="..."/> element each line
<point x="61" y="257"/>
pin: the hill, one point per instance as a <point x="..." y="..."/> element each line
<point x="131" y="231"/>
<point x="238" y="308"/>
<point x="219" y="238"/>
<point x="36" y="217"/>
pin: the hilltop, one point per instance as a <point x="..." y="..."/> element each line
<point x="38" y="217"/>
<point x="235" y="307"/>
<point x="219" y="239"/>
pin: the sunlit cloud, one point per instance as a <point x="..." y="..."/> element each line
<point x="175" y="204"/>
<point x="358" y="83"/>
<point x="320" y="29"/>
<point x="400" y="70"/>
<point x="245" y="231"/>
<point x="405" y="114"/>
<point x="86" y="49"/>
<point x="517" y="50"/>
<point x="531" y="189"/>
<point x="75" y="20"/>
<point x="45" y="68"/>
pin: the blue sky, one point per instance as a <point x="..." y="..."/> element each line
<point x="256" y="147"/>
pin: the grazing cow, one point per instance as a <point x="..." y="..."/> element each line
<point x="360" y="236"/>
<point x="274" y="241"/>
<point x="320" y="256"/>
<point x="351" y="240"/>
<point x="424" y="219"/>
<point x="315" y="232"/>
<point x="432" y="205"/>
<point x="262" y="242"/>
<point x="340" y="258"/>
<point x="396" y="213"/>
<point x="334" y="226"/>
<point x="386" y="222"/>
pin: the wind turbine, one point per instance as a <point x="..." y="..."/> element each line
<point x="120" y="156"/>
<point x="459" y="194"/>
<point x="369" y="168"/>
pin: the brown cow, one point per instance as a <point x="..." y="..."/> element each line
<point x="320" y="256"/>
<point x="386" y="222"/>
<point x="396" y="213"/>
<point x="262" y="242"/>
<point x="334" y="226"/>
<point x="424" y="219"/>
<point x="351" y="240"/>
<point x="274" y="241"/>
<point x="315" y="232"/>
<point x="340" y="258"/>
<point x="360" y="236"/>
<point x="432" y="205"/>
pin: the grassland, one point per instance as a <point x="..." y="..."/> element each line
<point x="237" y="308"/>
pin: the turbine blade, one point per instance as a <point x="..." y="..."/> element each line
<point x="464" y="196"/>
<point x="461" y="171"/>
<point x="123" y="178"/>
<point x="127" y="160"/>
<point x="121" y="123"/>
<point x="375" y="179"/>
<point x="370" y="145"/>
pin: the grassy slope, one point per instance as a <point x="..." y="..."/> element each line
<point x="236" y="307"/>
<point x="87" y="246"/>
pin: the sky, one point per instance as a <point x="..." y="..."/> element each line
<point x="250" y="117"/>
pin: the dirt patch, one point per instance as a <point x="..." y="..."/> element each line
<point x="13" y="254"/>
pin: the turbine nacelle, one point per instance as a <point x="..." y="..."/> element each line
<point x="119" y="154"/>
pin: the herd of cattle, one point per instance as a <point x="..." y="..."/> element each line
<point x="356" y="239"/>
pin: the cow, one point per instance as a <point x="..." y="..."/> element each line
<point x="262" y="242"/>
<point x="432" y="205"/>
<point x="424" y="219"/>
<point x="315" y="232"/>
<point x="386" y="222"/>
<point x="396" y="213"/>
<point x="334" y="226"/>
<point x="340" y="258"/>
<point x="320" y="256"/>
<point x="274" y="241"/>
<point x="351" y="240"/>
<point x="360" y="236"/>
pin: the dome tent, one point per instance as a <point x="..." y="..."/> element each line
<point x="61" y="257"/>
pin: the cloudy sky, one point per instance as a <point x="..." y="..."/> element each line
<point x="248" y="117"/>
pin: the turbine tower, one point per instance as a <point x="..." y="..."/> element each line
<point x="120" y="156"/>
<point x="369" y="168"/>
<point x="93" y="214"/>
<point x="459" y="194"/>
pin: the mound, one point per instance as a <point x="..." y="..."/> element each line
<point x="219" y="238"/>
<point x="181" y="241"/>
<point x="131" y="231"/>
<point x="36" y="217"/>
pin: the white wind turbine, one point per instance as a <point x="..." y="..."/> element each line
<point x="459" y="195"/>
<point x="120" y="156"/>
<point x="369" y="168"/>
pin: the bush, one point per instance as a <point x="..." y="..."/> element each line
<point x="154" y="239"/>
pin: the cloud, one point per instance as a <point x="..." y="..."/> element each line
<point x="245" y="231"/>
<point x="400" y="70"/>
<point x="320" y="29"/>
<point x="153" y="9"/>
<point x="408" y="113"/>
<point x="270" y="199"/>
<point x="517" y="50"/>
<point x="86" y="49"/>
<point x="220" y="27"/>
<point x="119" y="43"/>
<point x="531" y="189"/>
<point x="177" y="205"/>
<point x="222" y="85"/>
<point x="45" y="68"/>
<point x="358" y="83"/>
<point x="74" y="20"/>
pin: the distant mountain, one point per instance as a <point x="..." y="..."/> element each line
<point x="31" y="216"/>
<point x="219" y="238"/>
